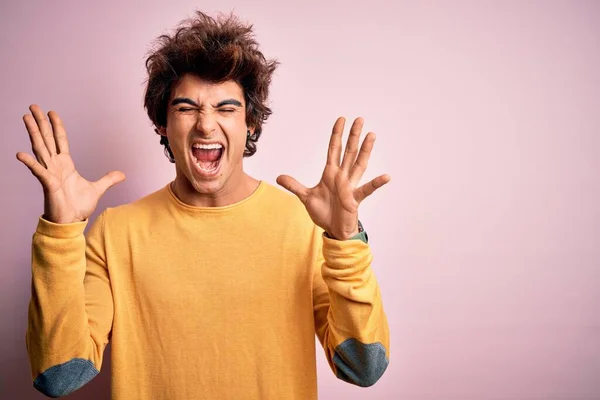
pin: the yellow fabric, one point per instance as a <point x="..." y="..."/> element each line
<point x="211" y="303"/>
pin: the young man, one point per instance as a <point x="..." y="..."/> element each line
<point x="214" y="286"/>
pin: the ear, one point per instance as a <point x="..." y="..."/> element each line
<point x="162" y="130"/>
<point x="251" y="129"/>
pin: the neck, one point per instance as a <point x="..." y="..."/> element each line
<point x="234" y="191"/>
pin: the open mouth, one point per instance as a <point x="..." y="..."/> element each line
<point x="207" y="157"/>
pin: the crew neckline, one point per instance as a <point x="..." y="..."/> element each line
<point x="201" y="209"/>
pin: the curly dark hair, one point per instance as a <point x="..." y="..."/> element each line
<point x="216" y="50"/>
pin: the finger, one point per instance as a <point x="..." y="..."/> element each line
<point x="360" y="166"/>
<point x="60" y="135"/>
<point x="108" y="181"/>
<point x="368" y="188"/>
<point x="293" y="186"/>
<point x="45" y="128"/>
<point x="335" y="142"/>
<point x="352" y="144"/>
<point x="35" y="167"/>
<point x="37" y="143"/>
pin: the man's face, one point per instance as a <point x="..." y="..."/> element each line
<point x="206" y="128"/>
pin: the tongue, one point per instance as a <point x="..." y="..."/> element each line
<point x="206" y="155"/>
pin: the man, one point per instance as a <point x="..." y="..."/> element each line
<point x="214" y="286"/>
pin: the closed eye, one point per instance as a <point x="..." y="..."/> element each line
<point x="227" y="110"/>
<point x="185" y="109"/>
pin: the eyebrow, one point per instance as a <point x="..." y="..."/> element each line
<point x="185" y="100"/>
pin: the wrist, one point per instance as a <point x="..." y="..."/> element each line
<point x="358" y="234"/>
<point x="342" y="238"/>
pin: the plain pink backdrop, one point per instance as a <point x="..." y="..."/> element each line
<point x="487" y="240"/>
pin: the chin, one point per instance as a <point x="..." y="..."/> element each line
<point x="206" y="185"/>
<point x="208" y="188"/>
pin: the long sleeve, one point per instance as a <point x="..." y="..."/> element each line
<point x="71" y="306"/>
<point x="349" y="318"/>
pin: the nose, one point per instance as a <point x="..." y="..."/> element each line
<point x="206" y="123"/>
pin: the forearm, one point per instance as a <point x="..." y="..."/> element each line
<point x="356" y="333"/>
<point x="63" y="336"/>
<point x="356" y="309"/>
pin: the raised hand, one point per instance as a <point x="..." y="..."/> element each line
<point x="333" y="203"/>
<point x="68" y="197"/>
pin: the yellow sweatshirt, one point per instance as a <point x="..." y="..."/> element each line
<point x="203" y="302"/>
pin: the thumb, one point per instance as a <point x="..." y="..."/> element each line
<point x="108" y="181"/>
<point x="293" y="186"/>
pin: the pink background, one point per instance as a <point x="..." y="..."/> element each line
<point x="486" y="241"/>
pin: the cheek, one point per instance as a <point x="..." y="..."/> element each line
<point x="236" y="136"/>
<point x="240" y="144"/>
<point x="178" y="130"/>
<point x="182" y="124"/>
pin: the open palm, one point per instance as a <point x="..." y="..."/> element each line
<point x="333" y="203"/>
<point x="68" y="197"/>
